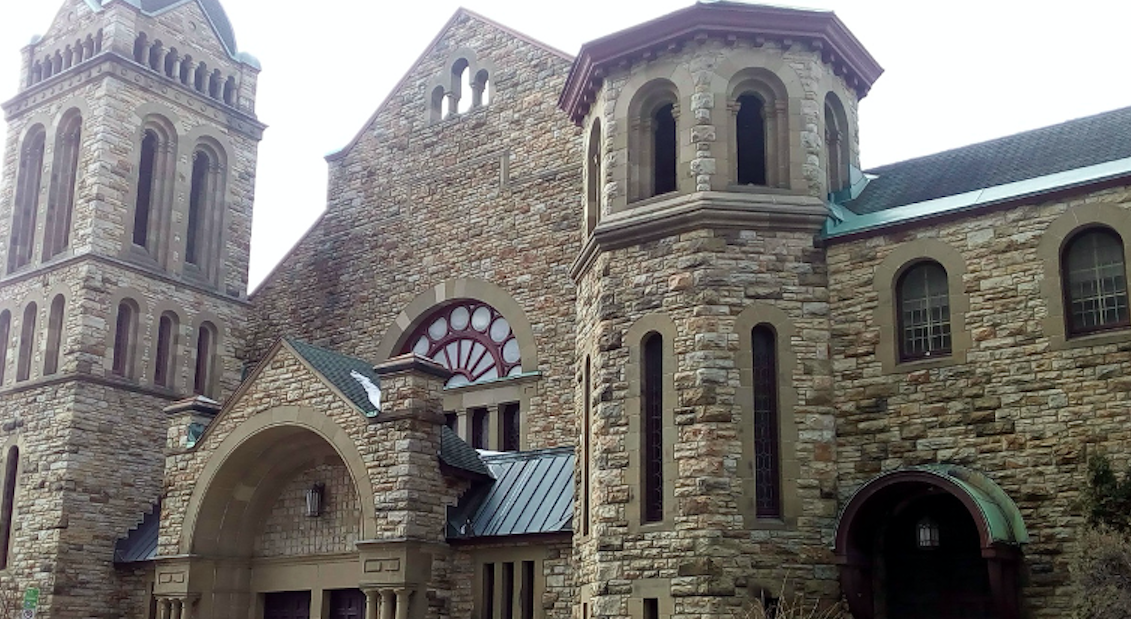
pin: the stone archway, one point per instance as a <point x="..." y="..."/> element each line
<point x="934" y="542"/>
<point x="237" y="491"/>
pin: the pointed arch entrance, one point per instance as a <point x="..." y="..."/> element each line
<point x="933" y="542"/>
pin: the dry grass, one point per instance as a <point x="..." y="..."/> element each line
<point x="1101" y="571"/>
<point x="794" y="606"/>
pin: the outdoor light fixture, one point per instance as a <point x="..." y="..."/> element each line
<point x="314" y="496"/>
<point x="928" y="533"/>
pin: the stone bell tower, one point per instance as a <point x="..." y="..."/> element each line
<point x="125" y="221"/>
<point x="714" y="137"/>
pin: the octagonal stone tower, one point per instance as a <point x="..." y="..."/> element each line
<point x="714" y="137"/>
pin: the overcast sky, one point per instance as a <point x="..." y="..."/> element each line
<point x="956" y="72"/>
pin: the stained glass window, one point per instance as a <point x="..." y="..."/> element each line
<point x="1095" y="279"/>
<point x="653" y="409"/>
<point x="767" y="452"/>
<point x="471" y="339"/>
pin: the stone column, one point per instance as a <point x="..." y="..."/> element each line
<point x="387" y="603"/>
<point x="163" y="608"/>
<point x="372" y="603"/>
<point x="403" y="596"/>
<point x="178" y="606"/>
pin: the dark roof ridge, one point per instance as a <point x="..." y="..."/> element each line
<point x="1000" y="139"/>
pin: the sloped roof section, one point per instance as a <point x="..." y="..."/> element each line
<point x="141" y="543"/>
<point x="532" y="494"/>
<point x="212" y="9"/>
<point x="455" y="452"/>
<point x="1075" y="144"/>
<point x="353" y="377"/>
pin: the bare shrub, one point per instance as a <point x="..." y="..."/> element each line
<point x="11" y="599"/>
<point x="793" y="606"/>
<point x="1101" y="571"/>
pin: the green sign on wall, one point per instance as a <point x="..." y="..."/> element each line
<point x="31" y="598"/>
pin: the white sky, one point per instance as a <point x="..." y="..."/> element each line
<point x="956" y="72"/>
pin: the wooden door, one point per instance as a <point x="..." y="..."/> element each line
<point x="287" y="605"/>
<point x="347" y="604"/>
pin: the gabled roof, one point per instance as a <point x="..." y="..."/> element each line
<point x="212" y="8"/>
<point x="822" y="29"/>
<point x="1049" y="150"/>
<point x="532" y="494"/>
<point x="351" y="376"/>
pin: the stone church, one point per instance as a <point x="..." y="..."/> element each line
<point x="622" y="335"/>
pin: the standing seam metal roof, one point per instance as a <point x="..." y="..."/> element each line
<point x="532" y="493"/>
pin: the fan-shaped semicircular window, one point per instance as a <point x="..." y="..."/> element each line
<point x="470" y="338"/>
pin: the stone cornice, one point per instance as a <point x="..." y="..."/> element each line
<point x="110" y="63"/>
<point x="711" y="210"/>
<point x="821" y="30"/>
<point x="90" y="379"/>
<point x="163" y="277"/>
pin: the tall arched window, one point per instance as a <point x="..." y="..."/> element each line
<point x="461" y="83"/>
<point x="593" y="178"/>
<point x="480" y="89"/>
<point x="924" y="312"/>
<point x="26" y="210"/>
<point x="165" y="359"/>
<point x="759" y="129"/>
<point x="439" y="101"/>
<point x="1094" y="277"/>
<point x="204" y="380"/>
<point x="141" y="48"/>
<point x="54" y="335"/>
<point x="751" y="140"/>
<point x="200" y="79"/>
<point x="5" y="333"/>
<point x="8" y="503"/>
<point x="652" y="400"/>
<point x="664" y="149"/>
<point x="767" y="441"/>
<point x="64" y="176"/>
<point x="125" y="339"/>
<point x="470" y="338"/>
<point x="587" y="448"/>
<point x="156" y="171"/>
<point x="205" y="213"/>
<point x="27" y="343"/>
<point x="837" y="144"/>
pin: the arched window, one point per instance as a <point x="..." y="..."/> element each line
<point x="27" y="343"/>
<point x="125" y="339"/>
<point x="200" y="80"/>
<point x="759" y="146"/>
<point x="587" y="448"/>
<point x="436" y="111"/>
<point x="141" y="49"/>
<point x="751" y="140"/>
<point x="171" y="59"/>
<point x="924" y="312"/>
<point x="230" y="90"/>
<point x="470" y="338"/>
<point x="64" y="177"/>
<point x="156" y="171"/>
<point x="480" y="89"/>
<point x="664" y="149"/>
<point x="767" y="442"/>
<point x="204" y="379"/>
<point x="837" y="150"/>
<point x="5" y="333"/>
<point x="8" y="503"/>
<point x="461" y="83"/>
<point x="1094" y="277"/>
<point x="652" y="407"/>
<point x="205" y="213"/>
<point x="54" y="335"/>
<point x="26" y="210"/>
<point x="164" y="361"/>
<point x="593" y="178"/>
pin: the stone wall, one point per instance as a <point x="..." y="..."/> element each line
<point x="1022" y="404"/>
<point x="485" y="196"/>
<point x="288" y="531"/>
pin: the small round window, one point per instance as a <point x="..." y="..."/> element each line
<point x="470" y="338"/>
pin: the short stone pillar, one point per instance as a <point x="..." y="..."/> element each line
<point x="187" y="420"/>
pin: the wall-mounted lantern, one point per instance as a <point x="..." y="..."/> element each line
<point x="928" y="533"/>
<point x="314" y="499"/>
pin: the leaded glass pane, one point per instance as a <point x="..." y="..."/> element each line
<point x="653" y="452"/>
<point x="767" y="455"/>
<point x="1097" y="282"/>
<point x="924" y="312"/>
<point x="471" y="339"/>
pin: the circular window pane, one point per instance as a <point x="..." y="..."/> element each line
<point x="511" y="353"/>
<point x="438" y="329"/>
<point x="481" y="318"/>
<point x="500" y="330"/>
<point x="460" y="318"/>
<point x="422" y="347"/>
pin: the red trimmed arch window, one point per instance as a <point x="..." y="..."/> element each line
<point x="470" y="338"/>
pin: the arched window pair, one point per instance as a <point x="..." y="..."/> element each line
<point x="450" y="101"/>
<point x="61" y="193"/>
<point x="27" y="345"/>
